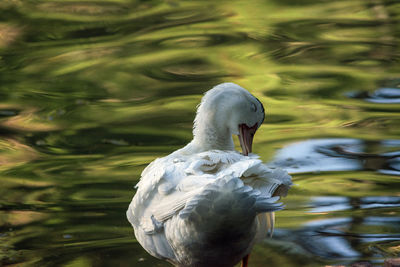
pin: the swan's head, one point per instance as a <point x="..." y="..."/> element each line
<point x="229" y="109"/>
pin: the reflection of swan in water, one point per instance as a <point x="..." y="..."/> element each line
<point x="345" y="228"/>
<point x="381" y="95"/>
<point x="206" y="204"/>
<point x="338" y="154"/>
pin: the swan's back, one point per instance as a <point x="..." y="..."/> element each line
<point x="204" y="200"/>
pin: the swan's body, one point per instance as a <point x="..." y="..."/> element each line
<point x="206" y="204"/>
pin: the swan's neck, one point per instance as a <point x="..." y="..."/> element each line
<point x="210" y="133"/>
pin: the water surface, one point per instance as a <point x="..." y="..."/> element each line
<point x="92" y="91"/>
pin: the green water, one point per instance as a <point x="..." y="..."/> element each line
<point x="92" y="91"/>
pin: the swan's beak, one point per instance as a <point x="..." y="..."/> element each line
<point x="246" y="135"/>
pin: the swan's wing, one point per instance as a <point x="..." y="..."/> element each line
<point x="156" y="186"/>
<point x="227" y="195"/>
<point x="261" y="181"/>
<point x="270" y="182"/>
<point x="171" y="206"/>
<point x="199" y="170"/>
<point x="167" y="184"/>
<point x="164" y="188"/>
<point x="153" y="184"/>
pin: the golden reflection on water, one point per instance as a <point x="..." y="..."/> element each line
<point x="13" y="153"/>
<point x="15" y="218"/>
<point x="8" y="34"/>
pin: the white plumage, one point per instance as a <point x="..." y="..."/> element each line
<point x="206" y="204"/>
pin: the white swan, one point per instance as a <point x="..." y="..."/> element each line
<point x="206" y="204"/>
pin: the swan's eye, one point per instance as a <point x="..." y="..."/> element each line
<point x="253" y="107"/>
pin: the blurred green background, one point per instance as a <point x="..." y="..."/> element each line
<point x="92" y="91"/>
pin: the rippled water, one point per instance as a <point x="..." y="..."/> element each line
<point x="92" y="91"/>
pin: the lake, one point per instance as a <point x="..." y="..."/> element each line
<point x="93" y="91"/>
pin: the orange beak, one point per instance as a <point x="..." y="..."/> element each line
<point x="246" y="135"/>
